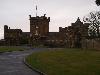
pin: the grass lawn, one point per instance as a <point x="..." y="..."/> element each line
<point x="12" y="48"/>
<point x="66" y="62"/>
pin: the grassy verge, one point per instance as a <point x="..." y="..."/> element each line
<point x="12" y="48"/>
<point x="66" y="62"/>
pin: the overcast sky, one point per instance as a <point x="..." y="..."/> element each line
<point x="15" y="13"/>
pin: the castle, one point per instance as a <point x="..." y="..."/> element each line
<point x="70" y="36"/>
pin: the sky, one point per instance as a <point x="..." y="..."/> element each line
<point x="15" y="13"/>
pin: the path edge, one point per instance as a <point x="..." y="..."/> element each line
<point x="34" y="69"/>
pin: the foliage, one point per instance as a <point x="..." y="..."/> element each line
<point x="94" y="19"/>
<point x="66" y="62"/>
<point x="97" y="2"/>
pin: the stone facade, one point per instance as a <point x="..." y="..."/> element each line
<point x="12" y="36"/>
<point x="75" y="33"/>
<point x="39" y="25"/>
<point x="39" y="28"/>
<point x="70" y="36"/>
<point x="15" y="36"/>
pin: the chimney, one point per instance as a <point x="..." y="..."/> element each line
<point x="44" y="15"/>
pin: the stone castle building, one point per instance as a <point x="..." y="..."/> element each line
<point x="15" y="36"/>
<point x="39" y="28"/>
<point x="75" y="33"/>
<point x="70" y="36"/>
<point x="12" y="36"/>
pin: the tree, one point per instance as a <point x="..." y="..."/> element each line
<point x="97" y="2"/>
<point x="94" y="19"/>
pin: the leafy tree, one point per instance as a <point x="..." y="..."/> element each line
<point x="97" y="2"/>
<point x="94" y="19"/>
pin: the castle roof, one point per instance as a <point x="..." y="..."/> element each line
<point x="78" y="20"/>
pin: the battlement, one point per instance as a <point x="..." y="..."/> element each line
<point x="61" y="29"/>
<point x="6" y="28"/>
<point x="39" y="18"/>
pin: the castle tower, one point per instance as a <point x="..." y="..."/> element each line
<point x="39" y="26"/>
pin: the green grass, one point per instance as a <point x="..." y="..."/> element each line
<point x="66" y="62"/>
<point x="12" y="48"/>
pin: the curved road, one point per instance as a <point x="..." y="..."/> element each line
<point x="11" y="63"/>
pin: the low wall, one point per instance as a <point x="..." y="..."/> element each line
<point x="91" y="43"/>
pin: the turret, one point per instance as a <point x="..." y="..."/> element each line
<point x="5" y="28"/>
<point x="78" y="21"/>
<point x="5" y="31"/>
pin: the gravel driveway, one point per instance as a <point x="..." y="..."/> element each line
<point x="11" y="63"/>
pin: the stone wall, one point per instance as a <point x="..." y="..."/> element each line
<point x="91" y="43"/>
